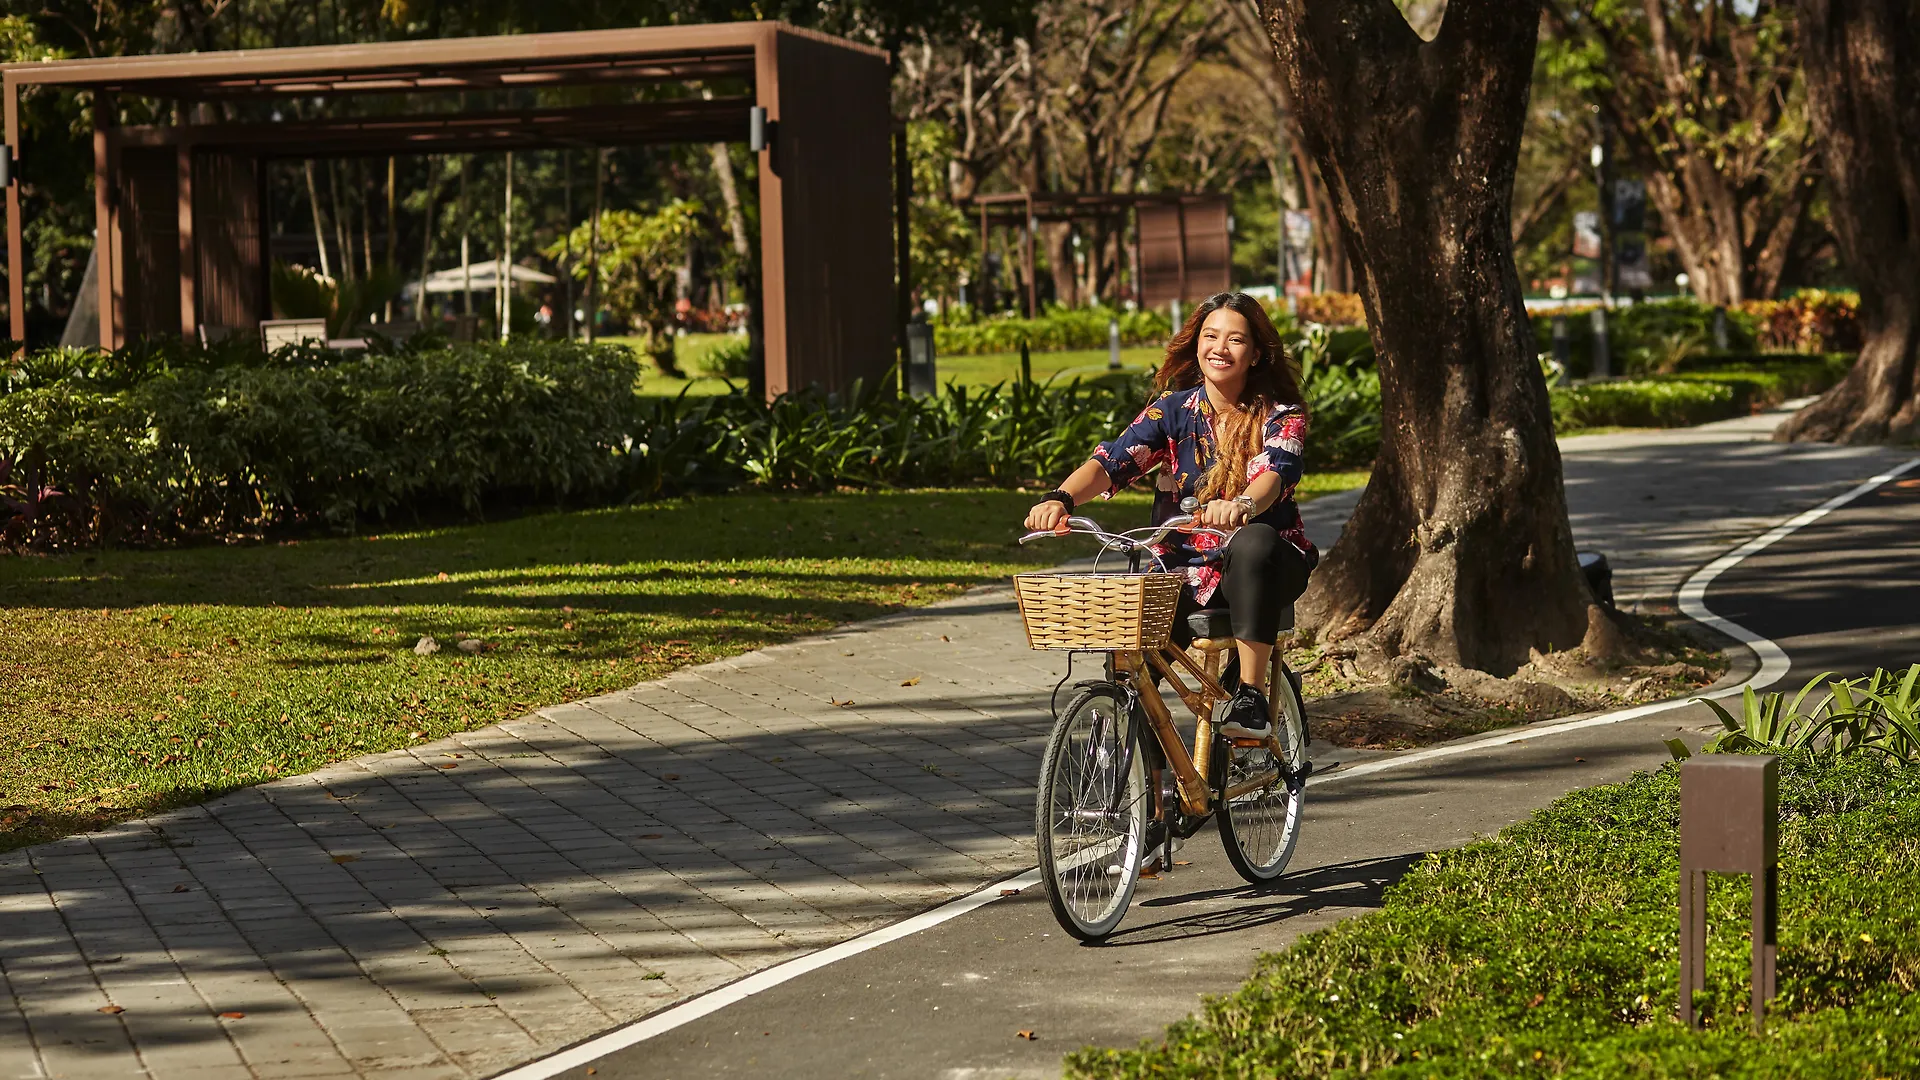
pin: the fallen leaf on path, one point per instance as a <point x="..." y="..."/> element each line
<point x="650" y="836"/>
<point x="944" y="637"/>
<point x="1179" y="863"/>
<point x="1579" y="759"/>
<point x="181" y="888"/>
<point x="346" y="858"/>
<point x="1009" y="892"/>
<point x="449" y="765"/>
<point x="233" y="1015"/>
<point x="839" y="703"/>
<point x="112" y="1010"/>
<point x="1027" y="1034"/>
<point x="915" y="681"/>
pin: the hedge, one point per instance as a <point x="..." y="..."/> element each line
<point x="1552" y="950"/>
<point x="1711" y="392"/>
<point x="156" y="444"/>
<point x="1055" y="329"/>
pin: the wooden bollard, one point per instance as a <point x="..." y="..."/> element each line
<point x="1729" y="812"/>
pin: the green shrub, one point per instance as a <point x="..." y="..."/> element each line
<point x="167" y="440"/>
<point x="732" y="358"/>
<point x="1055" y="329"/>
<point x="1552" y="950"/>
<point x="164" y="440"/>
<point x="1642" y="403"/>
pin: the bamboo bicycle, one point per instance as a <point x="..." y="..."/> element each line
<point x="1117" y="780"/>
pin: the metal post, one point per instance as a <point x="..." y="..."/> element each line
<point x="1602" y="361"/>
<point x="1113" y="344"/>
<point x="1602" y="158"/>
<point x="1729" y="823"/>
<point x="16" y="236"/>
<point x="1562" y="341"/>
<point x="1033" y="295"/>
<point x="503" y="282"/>
<point x="593" y="242"/>
<point x="903" y="244"/>
<point x="103" y="223"/>
<point x="466" y="255"/>
<point x="566" y="217"/>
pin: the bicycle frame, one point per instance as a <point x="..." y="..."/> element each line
<point x="1134" y="671"/>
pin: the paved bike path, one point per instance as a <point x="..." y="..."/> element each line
<point x="960" y="1001"/>
<point x="599" y="861"/>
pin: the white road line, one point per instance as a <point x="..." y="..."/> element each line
<point x="1693" y="603"/>
<point x="1773" y="666"/>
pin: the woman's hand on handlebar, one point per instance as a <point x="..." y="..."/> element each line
<point x="1222" y="514"/>
<point x="1047" y="516"/>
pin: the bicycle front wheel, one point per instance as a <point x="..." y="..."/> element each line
<point x="1260" y="826"/>
<point x="1091" y="818"/>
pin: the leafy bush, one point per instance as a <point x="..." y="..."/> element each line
<point x="1057" y="328"/>
<point x="730" y="359"/>
<point x="1642" y="403"/>
<point x="165" y="440"/>
<point x="1551" y="950"/>
<point x="1878" y="712"/>
<point x="1334" y="309"/>
<point x="1810" y="321"/>
<point x="168" y="440"/>
<point x="1714" y="391"/>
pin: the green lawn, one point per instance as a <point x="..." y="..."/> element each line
<point x="982" y="370"/>
<point x="1551" y="950"/>
<point x="140" y="680"/>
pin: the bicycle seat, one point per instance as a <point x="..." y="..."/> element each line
<point x="1215" y="625"/>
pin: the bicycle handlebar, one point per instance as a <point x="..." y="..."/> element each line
<point x="1125" y="542"/>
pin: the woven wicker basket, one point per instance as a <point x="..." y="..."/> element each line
<point x="1097" y="611"/>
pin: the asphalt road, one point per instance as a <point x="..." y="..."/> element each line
<point x="1842" y="594"/>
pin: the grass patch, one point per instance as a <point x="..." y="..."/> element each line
<point x="981" y="370"/>
<point x="1552" y="950"/>
<point x="141" y="680"/>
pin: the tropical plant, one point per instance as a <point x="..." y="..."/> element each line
<point x="639" y="257"/>
<point x="1878" y="712"/>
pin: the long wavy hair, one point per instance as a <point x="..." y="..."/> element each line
<point x="1273" y="381"/>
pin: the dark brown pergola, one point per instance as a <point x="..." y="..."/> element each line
<point x="1183" y="249"/>
<point x="181" y="214"/>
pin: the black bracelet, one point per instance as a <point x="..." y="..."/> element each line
<point x="1059" y="496"/>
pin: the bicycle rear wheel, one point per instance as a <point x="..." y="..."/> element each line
<point x="1091" y="818"/>
<point x="1260" y="827"/>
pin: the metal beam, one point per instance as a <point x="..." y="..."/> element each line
<point x="680" y="120"/>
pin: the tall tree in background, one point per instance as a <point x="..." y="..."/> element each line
<point x="1706" y="102"/>
<point x="1460" y="546"/>
<point x="1863" y="85"/>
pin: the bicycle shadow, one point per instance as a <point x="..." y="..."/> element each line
<point x="1359" y="883"/>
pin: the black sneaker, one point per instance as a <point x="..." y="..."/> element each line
<point x="1247" y="715"/>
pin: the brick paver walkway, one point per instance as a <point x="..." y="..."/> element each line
<point x="453" y="909"/>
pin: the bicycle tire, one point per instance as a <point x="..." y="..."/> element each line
<point x="1090" y="820"/>
<point x="1261" y="828"/>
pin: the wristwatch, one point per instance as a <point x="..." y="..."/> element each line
<point x="1253" y="508"/>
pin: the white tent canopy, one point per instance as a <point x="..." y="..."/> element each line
<point x="485" y="275"/>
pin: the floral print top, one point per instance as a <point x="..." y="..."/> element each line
<point x="1174" y="433"/>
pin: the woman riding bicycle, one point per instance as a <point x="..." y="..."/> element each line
<point x="1226" y="428"/>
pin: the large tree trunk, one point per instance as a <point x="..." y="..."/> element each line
<point x="1460" y="547"/>
<point x="1863" y="90"/>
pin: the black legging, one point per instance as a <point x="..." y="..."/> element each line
<point x="1260" y="574"/>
